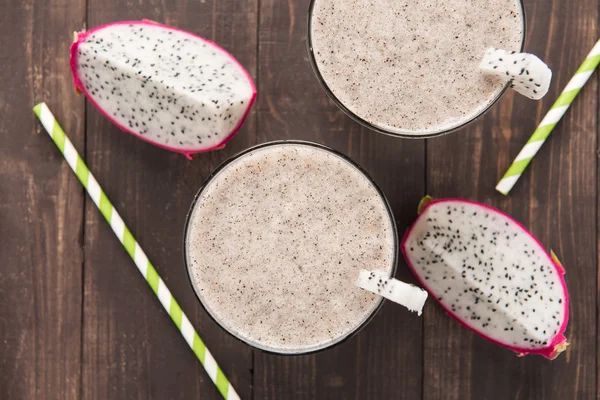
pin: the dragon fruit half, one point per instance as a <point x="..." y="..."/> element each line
<point x="164" y="85"/>
<point x="491" y="274"/>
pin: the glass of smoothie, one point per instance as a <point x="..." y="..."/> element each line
<point x="274" y="242"/>
<point x="411" y="68"/>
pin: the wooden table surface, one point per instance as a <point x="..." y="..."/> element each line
<point x="76" y="320"/>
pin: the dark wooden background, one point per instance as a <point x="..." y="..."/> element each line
<point x="76" y="320"/>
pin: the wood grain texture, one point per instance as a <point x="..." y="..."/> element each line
<point x="132" y="349"/>
<point x="41" y="206"/>
<point x="550" y="199"/>
<point x="78" y="322"/>
<point x="384" y="359"/>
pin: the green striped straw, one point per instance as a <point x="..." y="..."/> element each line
<point x="135" y="251"/>
<point x="545" y="127"/>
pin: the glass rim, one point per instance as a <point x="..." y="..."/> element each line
<point x="353" y="163"/>
<point x="366" y="124"/>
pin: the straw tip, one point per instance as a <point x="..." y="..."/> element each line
<point x="507" y="183"/>
<point x="38" y="108"/>
<point x="502" y="191"/>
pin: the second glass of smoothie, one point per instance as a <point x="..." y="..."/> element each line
<point x="275" y="241"/>
<point x="411" y="69"/>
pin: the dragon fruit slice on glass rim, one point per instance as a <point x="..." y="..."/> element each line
<point x="164" y="85"/>
<point x="488" y="272"/>
<point x="405" y="294"/>
<point x="526" y="73"/>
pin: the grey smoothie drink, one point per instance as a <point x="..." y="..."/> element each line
<point x="411" y="67"/>
<point x="276" y="240"/>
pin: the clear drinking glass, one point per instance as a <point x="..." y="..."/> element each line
<point x="375" y="128"/>
<point x="275" y="143"/>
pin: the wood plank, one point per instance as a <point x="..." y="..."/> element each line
<point x="555" y="199"/>
<point x="384" y="359"/>
<point x="132" y="350"/>
<point x="41" y="205"/>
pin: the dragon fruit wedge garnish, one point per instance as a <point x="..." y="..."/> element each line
<point x="526" y="73"/>
<point x="410" y="296"/>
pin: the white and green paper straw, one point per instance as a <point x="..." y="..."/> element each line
<point x="135" y="251"/>
<point x="545" y="127"/>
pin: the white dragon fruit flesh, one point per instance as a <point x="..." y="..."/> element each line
<point x="526" y="73"/>
<point x="487" y="271"/>
<point x="392" y="289"/>
<point x="164" y="85"/>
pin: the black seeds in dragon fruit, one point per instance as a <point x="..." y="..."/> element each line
<point x="491" y="274"/>
<point x="166" y="86"/>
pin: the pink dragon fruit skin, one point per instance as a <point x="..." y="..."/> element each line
<point x="81" y="38"/>
<point x="554" y="345"/>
